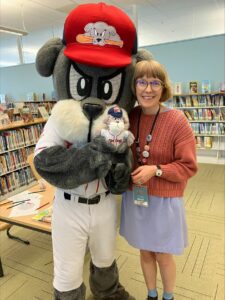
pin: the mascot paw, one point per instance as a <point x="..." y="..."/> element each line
<point x="100" y="144"/>
<point x="122" y="148"/>
<point x="101" y="165"/>
<point x="118" y="178"/>
<point x="121" y="172"/>
<point x="101" y="158"/>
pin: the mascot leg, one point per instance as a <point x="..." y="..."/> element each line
<point x="77" y="294"/>
<point x="69" y="240"/>
<point x="104" y="278"/>
<point x="104" y="283"/>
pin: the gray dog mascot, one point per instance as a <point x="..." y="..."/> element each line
<point x="92" y="68"/>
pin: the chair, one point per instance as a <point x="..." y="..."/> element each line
<point x="30" y="161"/>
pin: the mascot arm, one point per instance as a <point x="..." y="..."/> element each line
<point x="69" y="168"/>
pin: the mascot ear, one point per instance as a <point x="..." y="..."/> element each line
<point x="143" y="54"/>
<point x="47" y="55"/>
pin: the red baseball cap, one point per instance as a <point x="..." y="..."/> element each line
<point x="99" y="35"/>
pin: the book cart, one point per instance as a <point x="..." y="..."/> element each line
<point x="206" y="115"/>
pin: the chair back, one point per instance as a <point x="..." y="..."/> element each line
<point x="30" y="161"/>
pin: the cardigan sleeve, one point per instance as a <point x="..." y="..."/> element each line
<point x="184" y="164"/>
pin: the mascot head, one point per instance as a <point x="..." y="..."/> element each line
<point x="92" y="68"/>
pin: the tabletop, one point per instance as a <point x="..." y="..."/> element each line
<point x="26" y="220"/>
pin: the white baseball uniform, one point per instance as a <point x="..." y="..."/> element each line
<point x="76" y="225"/>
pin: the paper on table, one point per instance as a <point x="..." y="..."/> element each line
<point x="26" y="208"/>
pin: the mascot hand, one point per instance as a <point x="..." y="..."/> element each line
<point x="69" y="168"/>
<point x="101" y="161"/>
<point x="118" y="178"/>
<point x="122" y="148"/>
<point x="100" y="144"/>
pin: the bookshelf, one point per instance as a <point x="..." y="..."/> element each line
<point x="33" y="107"/>
<point x="206" y="115"/>
<point x="17" y="141"/>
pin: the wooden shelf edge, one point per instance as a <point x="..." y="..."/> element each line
<point x="200" y="94"/>
<point x="18" y="124"/>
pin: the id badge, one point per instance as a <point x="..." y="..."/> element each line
<point x="140" y="195"/>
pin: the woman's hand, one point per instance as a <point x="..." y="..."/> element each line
<point x="142" y="174"/>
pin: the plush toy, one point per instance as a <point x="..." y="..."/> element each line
<point x="92" y="68"/>
<point x="117" y="125"/>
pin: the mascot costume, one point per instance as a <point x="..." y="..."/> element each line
<point x="92" y="68"/>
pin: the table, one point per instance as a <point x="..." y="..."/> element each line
<point x="26" y="221"/>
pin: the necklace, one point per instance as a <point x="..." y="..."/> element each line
<point x="142" y="156"/>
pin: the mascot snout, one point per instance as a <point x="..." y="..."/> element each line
<point x="93" y="108"/>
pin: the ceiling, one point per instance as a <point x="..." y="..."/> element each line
<point x="157" y="21"/>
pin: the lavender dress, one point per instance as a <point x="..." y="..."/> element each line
<point x="160" y="227"/>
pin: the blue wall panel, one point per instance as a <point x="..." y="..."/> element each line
<point x="196" y="59"/>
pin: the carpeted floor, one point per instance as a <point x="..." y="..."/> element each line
<point x="200" y="271"/>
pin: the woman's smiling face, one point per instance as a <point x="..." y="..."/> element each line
<point x="149" y="92"/>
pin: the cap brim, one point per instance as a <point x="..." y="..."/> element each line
<point x="95" y="56"/>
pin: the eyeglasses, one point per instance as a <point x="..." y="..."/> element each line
<point x="142" y="84"/>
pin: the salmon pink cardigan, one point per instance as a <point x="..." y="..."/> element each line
<point x="172" y="147"/>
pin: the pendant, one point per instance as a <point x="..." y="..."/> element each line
<point x="145" y="154"/>
<point x="144" y="161"/>
<point x="138" y="149"/>
<point x="149" y="138"/>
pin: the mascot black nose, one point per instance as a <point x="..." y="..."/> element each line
<point x="92" y="111"/>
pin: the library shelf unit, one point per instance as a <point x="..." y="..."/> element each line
<point x="17" y="141"/>
<point x="33" y="108"/>
<point x="206" y="115"/>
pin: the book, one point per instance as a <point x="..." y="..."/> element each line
<point x="177" y="88"/>
<point x="208" y="142"/>
<point x="222" y="86"/>
<point x="193" y="87"/>
<point x="188" y="101"/>
<point x="195" y="100"/>
<point x="10" y="113"/>
<point x="188" y="115"/>
<point x="44" y="216"/>
<point x="4" y="119"/>
<point x="198" y="141"/>
<point x="43" y="112"/>
<point x="206" y="86"/>
<point x="195" y="114"/>
<point x="32" y="97"/>
<point x="3" y="98"/>
<point x="25" y="114"/>
<point x="180" y="101"/>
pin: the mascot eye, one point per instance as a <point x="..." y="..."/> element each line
<point x="80" y="85"/>
<point x="109" y="88"/>
<point x="106" y="90"/>
<point x="83" y="86"/>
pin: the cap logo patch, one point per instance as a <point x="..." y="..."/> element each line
<point x="101" y="34"/>
<point x="115" y="112"/>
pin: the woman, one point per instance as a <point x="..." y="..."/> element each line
<point x="153" y="216"/>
